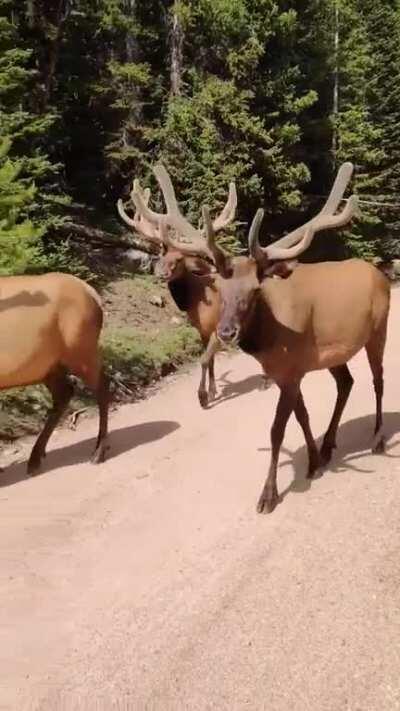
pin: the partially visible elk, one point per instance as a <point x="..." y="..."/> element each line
<point x="49" y="326"/>
<point x="189" y="276"/>
<point x="318" y="317"/>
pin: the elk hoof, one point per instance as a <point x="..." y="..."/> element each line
<point x="212" y="393"/>
<point x="314" y="465"/>
<point x="379" y="447"/>
<point x="326" y="453"/>
<point x="266" y="504"/>
<point x="203" y="398"/>
<point x="99" y="455"/>
<point x="33" y="468"/>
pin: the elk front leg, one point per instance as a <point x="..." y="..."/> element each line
<point x="61" y="390"/>
<point x="207" y="364"/>
<point x="314" y="459"/>
<point x="375" y="349"/>
<point x="212" y="388"/>
<point x="287" y="403"/>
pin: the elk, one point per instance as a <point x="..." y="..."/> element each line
<point x="189" y="276"/>
<point x="319" y="316"/>
<point x="50" y="325"/>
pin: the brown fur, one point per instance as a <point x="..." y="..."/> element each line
<point x="192" y="286"/>
<point x="319" y="317"/>
<point x="49" y="326"/>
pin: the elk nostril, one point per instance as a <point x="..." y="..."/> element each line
<point x="228" y="333"/>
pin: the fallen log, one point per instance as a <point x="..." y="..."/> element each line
<point x="101" y="239"/>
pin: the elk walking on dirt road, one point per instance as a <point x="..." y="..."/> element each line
<point x="49" y="326"/>
<point x="319" y="317"/>
<point x="189" y="277"/>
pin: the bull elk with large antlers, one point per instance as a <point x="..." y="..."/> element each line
<point x="50" y="325"/>
<point x="186" y="266"/>
<point x="319" y="317"/>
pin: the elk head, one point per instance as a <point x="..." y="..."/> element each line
<point x="241" y="277"/>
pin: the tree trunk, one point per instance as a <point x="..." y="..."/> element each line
<point x="335" y="108"/>
<point x="131" y="44"/>
<point x="132" y="55"/>
<point x="48" y="17"/>
<point x="176" y="52"/>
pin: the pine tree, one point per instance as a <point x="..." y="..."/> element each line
<point x="19" y="236"/>
<point x="358" y="134"/>
<point x="94" y="92"/>
<point x="236" y="113"/>
<point x="382" y="21"/>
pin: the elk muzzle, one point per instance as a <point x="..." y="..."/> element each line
<point x="228" y="332"/>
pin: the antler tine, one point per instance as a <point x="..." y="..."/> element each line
<point x="136" y="187"/>
<point x="123" y="215"/>
<point x="163" y="232"/>
<point x="338" y="189"/>
<point x="209" y="229"/>
<point x="228" y="213"/>
<point x="255" y="248"/>
<point x="143" y="227"/>
<point x="321" y="222"/>
<point x="331" y="205"/>
<point x="167" y="189"/>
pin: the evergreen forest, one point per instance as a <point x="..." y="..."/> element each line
<point x="273" y="94"/>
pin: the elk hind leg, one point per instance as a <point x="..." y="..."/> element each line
<point x="286" y="404"/>
<point x="103" y="400"/>
<point x="61" y="390"/>
<point x="375" y="350"/>
<point x="301" y="413"/>
<point x="91" y="371"/>
<point x="344" y="383"/>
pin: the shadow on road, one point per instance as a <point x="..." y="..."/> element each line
<point x="230" y="390"/>
<point x="353" y="443"/>
<point x="122" y="440"/>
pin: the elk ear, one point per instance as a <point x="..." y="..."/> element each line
<point x="281" y="269"/>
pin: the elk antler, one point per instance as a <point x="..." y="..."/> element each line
<point x="139" y="223"/>
<point x="226" y="216"/>
<point x="173" y="218"/>
<point x="335" y="197"/>
<point x="217" y="252"/>
<point x="321" y="222"/>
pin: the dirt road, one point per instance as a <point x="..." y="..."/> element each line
<point x="151" y="583"/>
